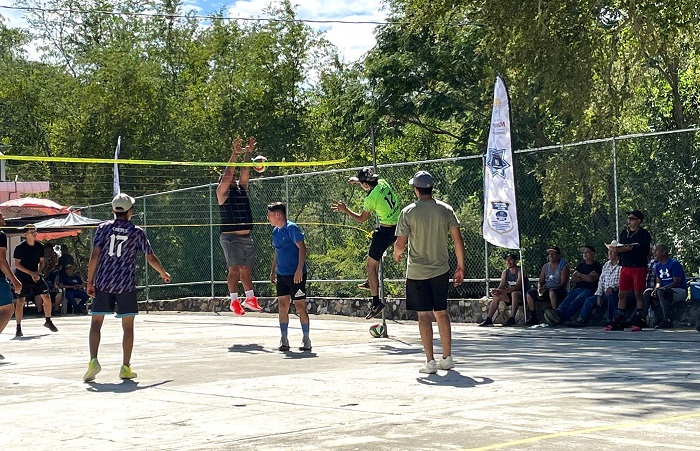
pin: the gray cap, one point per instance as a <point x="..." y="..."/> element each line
<point x="422" y="179"/>
<point x="122" y="202"/>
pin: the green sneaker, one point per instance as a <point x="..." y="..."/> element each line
<point x="93" y="368"/>
<point x="126" y="373"/>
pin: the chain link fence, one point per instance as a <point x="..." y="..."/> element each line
<point x="567" y="195"/>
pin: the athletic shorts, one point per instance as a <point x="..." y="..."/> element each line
<point x="238" y="249"/>
<point x="6" y="294"/>
<point x="382" y="238"/>
<point x="104" y="303"/>
<point x="633" y="279"/>
<point x="535" y="295"/>
<point x="427" y="295"/>
<point x="287" y="287"/>
<point x="30" y="289"/>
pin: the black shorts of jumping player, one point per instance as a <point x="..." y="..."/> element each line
<point x="382" y="238"/>
<point x="124" y="304"/>
<point x="287" y="287"/>
<point x="427" y="295"/>
<point x="31" y="288"/>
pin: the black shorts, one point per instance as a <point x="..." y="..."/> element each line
<point x="104" y="303"/>
<point x="427" y="295"/>
<point x="31" y="288"/>
<point x="287" y="287"/>
<point x="382" y="238"/>
<point x="535" y="295"/>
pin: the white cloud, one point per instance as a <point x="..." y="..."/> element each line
<point x="352" y="40"/>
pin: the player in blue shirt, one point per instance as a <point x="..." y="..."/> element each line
<point x="111" y="279"/>
<point x="289" y="272"/>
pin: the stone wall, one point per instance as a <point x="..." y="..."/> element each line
<point x="462" y="310"/>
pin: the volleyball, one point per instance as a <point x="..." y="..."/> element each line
<point x="376" y="330"/>
<point x="259" y="163"/>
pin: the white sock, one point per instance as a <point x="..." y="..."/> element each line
<point x="249" y="294"/>
<point x="234" y="296"/>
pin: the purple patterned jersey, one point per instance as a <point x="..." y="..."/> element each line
<point x="118" y="240"/>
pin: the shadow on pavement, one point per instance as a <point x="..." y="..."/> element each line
<point x="125" y="386"/>
<point x="299" y="355"/>
<point x="249" y="348"/>
<point x="30" y="337"/>
<point x="453" y="379"/>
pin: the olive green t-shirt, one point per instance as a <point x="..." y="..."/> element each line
<point x="383" y="201"/>
<point x="427" y="224"/>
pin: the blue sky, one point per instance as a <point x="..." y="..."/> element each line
<point x="352" y="40"/>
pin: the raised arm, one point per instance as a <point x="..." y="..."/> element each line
<point x="244" y="176"/>
<point x="228" y="176"/>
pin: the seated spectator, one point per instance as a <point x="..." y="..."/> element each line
<point x="671" y="285"/>
<point x="75" y="288"/>
<point x="554" y="279"/>
<point x="510" y="291"/>
<point x="585" y="279"/>
<point x="65" y="259"/>
<point x="50" y="273"/>
<point x="607" y="292"/>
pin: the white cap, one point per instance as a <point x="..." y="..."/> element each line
<point x="122" y="203"/>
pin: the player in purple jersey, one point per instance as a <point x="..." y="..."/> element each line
<point x="6" y="297"/>
<point x="111" y="279"/>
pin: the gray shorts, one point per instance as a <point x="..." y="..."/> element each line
<point x="238" y="249"/>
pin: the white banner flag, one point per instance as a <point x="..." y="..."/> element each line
<point x="500" y="213"/>
<point x="117" y="190"/>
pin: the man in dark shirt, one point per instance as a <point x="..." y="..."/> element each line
<point x="633" y="248"/>
<point x="585" y="278"/>
<point x="29" y="262"/>
<point x="236" y="224"/>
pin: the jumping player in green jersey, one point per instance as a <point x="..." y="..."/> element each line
<point x="381" y="199"/>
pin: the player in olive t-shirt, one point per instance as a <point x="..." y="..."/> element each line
<point x="424" y="226"/>
<point x="382" y="200"/>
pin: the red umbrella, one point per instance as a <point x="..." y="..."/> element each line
<point x="31" y="206"/>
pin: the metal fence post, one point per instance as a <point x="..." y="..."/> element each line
<point x="145" y="257"/>
<point x="211" y="239"/>
<point x="614" y="158"/>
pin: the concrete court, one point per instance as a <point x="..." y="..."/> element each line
<point x="210" y="382"/>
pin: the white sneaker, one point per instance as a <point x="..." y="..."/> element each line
<point x="429" y="367"/>
<point x="446" y="363"/>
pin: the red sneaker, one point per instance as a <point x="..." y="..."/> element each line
<point x="252" y="304"/>
<point x="236" y="308"/>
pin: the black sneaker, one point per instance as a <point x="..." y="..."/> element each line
<point x="665" y="324"/>
<point x="532" y="321"/>
<point x="375" y="310"/>
<point x="486" y="323"/>
<point x="551" y="317"/>
<point x="49" y="325"/>
<point x="576" y="323"/>
<point x="18" y="332"/>
<point x="511" y="322"/>
<point x="364" y="285"/>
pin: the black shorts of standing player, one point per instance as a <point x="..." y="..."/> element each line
<point x="287" y="287"/>
<point x="382" y="238"/>
<point x="30" y="288"/>
<point x="427" y="295"/>
<point x="104" y="303"/>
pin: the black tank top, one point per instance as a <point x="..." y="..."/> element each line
<point x="235" y="211"/>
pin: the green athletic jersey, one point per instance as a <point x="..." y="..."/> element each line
<point x="383" y="201"/>
<point x="427" y="225"/>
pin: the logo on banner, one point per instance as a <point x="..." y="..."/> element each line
<point x="499" y="218"/>
<point x="497" y="163"/>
